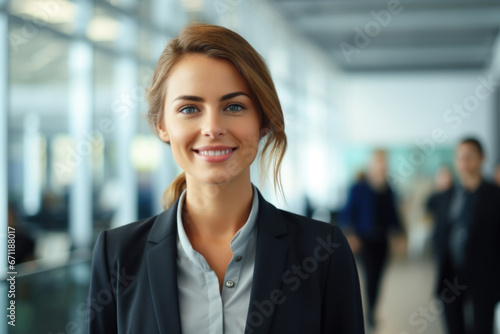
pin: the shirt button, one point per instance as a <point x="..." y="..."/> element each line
<point x="239" y="257"/>
<point x="229" y="284"/>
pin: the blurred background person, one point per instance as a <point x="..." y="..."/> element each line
<point x="443" y="181"/>
<point x="496" y="177"/>
<point x="368" y="216"/>
<point x="466" y="244"/>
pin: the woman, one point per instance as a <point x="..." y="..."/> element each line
<point x="221" y="259"/>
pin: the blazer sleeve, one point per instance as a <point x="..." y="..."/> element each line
<point x="342" y="307"/>
<point x="101" y="302"/>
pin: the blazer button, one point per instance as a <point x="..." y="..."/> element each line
<point x="239" y="257"/>
<point x="229" y="284"/>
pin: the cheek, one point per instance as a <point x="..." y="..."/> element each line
<point x="179" y="139"/>
<point x="249" y="132"/>
<point x="250" y="139"/>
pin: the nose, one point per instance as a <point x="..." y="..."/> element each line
<point x="213" y="124"/>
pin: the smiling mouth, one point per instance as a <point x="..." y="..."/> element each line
<point x="215" y="152"/>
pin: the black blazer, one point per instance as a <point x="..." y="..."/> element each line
<point x="305" y="278"/>
<point x="482" y="254"/>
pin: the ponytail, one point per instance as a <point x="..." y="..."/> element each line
<point x="174" y="191"/>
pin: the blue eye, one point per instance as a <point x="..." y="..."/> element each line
<point x="188" y="110"/>
<point x="235" y="108"/>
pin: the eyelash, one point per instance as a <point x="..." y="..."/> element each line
<point x="194" y="107"/>
<point x="237" y="105"/>
<point x="187" y="107"/>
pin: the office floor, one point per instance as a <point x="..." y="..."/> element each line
<point x="52" y="302"/>
<point x="407" y="304"/>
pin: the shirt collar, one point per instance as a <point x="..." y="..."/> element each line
<point x="241" y="238"/>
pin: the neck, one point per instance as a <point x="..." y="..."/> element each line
<point x="217" y="211"/>
<point x="377" y="182"/>
<point x="471" y="182"/>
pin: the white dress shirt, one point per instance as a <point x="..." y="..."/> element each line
<point x="203" y="307"/>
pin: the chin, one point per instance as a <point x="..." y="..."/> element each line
<point x="221" y="178"/>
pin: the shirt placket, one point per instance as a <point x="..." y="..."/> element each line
<point x="215" y="304"/>
<point x="230" y="287"/>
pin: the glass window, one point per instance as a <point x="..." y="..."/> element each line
<point x="39" y="165"/>
<point x="104" y="27"/>
<point x="104" y="128"/>
<point x="59" y="15"/>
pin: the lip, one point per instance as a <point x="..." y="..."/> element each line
<point x="213" y="158"/>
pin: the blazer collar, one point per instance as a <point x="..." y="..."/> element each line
<point x="270" y="260"/>
<point x="165" y="225"/>
<point x="161" y="261"/>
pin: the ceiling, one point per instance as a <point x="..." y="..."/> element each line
<point x="392" y="35"/>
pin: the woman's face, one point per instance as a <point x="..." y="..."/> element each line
<point x="210" y="120"/>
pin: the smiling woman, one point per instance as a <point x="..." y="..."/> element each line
<point x="220" y="258"/>
<point x="209" y="117"/>
<point x="242" y="66"/>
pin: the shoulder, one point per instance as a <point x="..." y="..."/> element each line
<point x="133" y="231"/>
<point x="302" y="231"/>
<point x="309" y="232"/>
<point x="322" y="244"/>
<point x="360" y="186"/>
<point x="444" y="194"/>
<point x="489" y="195"/>
<point x="130" y="238"/>
<point x="295" y="221"/>
<point x="491" y="189"/>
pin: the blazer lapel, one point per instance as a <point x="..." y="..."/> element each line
<point x="162" y="271"/>
<point x="270" y="261"/>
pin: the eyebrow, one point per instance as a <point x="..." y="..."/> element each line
<point x="200" y="99"/>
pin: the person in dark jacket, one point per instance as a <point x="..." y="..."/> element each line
<point x="467" y="245"/>
<point x="442" y="182"/>
<point x="368" y="216"/>
<point x="496" y="175"/>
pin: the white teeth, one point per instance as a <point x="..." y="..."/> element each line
<point x="215" y="153"/>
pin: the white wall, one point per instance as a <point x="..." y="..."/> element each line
<point x="399" y="108"/>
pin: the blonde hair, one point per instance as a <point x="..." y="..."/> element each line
<point x="219" y="42"/>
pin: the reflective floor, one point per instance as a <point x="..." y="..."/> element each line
<point x="407" y="304"/>
<point x="52" y="302"/>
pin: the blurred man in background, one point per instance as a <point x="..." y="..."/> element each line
<point x="467" y="245"/>
<point x="496" y="177"/>
<point x="368" y="216"/>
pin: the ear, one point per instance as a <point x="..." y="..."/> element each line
<point x="162" y="133"/>
<point x="263" y="132"/>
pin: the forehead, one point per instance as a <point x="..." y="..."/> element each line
<point x="197" y="74"/>
<point x="467" y="149"/>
